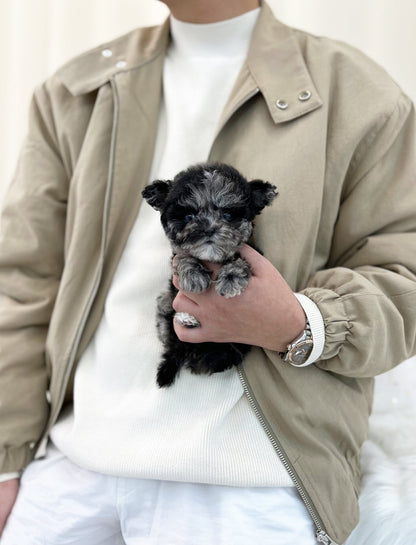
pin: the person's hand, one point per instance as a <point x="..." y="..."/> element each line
<point x="8" y="495"/>
<point x="266" y="314"/>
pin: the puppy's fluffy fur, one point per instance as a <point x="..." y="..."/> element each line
<point x="207" y="213"/>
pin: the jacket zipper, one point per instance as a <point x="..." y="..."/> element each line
<point x="97" y="280"/>
<point x="321" y="534"/>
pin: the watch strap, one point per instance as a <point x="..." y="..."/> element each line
<point x="316" y="322"/>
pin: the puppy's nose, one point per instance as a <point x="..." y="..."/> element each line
<point x="210" y="231"/>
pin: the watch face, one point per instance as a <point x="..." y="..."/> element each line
<point x="301" y="352"/>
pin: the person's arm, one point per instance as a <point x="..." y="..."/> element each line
<point x="31" y="262"/>
<point x="367" y="294"/>
<point x="8" y="494"/>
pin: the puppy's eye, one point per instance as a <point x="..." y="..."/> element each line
<point x="188" y="218"/>
<point x="227" y="216"/>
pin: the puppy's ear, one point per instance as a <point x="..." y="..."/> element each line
<point x="262" y="194"/>
<point x="156" y="193"/>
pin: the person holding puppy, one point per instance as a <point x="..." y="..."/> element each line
<point x="266" y="451"/>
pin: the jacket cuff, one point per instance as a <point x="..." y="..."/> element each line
<point x="316" y="322"/>
<point x="336" y="322"/>
<point x="15" y="459"/>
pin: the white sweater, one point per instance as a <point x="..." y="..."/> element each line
<point x="201" y="429"/>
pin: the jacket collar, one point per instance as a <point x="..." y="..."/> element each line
<point x="98" y="66"/>
<point x="274" y="65"/>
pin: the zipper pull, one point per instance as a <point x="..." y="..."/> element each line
<point x="322" y="537"/>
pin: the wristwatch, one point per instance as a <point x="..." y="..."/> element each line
<point x="299" y="350"/>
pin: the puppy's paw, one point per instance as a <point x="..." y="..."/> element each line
<point x="192" y="275"/>
<point x="194" y="281"/>
<point x="233" y="278"/>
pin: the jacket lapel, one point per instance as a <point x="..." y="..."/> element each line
<point x="137" y="104"/>
<point x="137" y="123"/>
<point x="274" y="67"/>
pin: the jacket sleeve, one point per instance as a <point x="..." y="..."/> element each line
<point x="367" y="294"/>
<point x="31" y="262"/>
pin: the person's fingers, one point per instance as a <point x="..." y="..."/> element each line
<point x="188" y="334"/>
<point x="198" y="334"/>
<point x="175" y="281"/>
<point x="183" y="303"/>
<point x="253" y="258"/>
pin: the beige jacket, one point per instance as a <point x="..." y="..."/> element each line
<point x="313" y="116"/>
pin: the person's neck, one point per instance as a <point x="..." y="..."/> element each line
<point x="209" y="11"/>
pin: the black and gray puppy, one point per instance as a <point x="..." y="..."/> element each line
<point x="207" y="213"/>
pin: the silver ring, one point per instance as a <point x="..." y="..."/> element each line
<point x="186" y="320"/>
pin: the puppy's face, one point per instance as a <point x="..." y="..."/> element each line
<point x="208" y="210"/>
<point x="208" y="216"/>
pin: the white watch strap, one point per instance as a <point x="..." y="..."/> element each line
<point x="317" y="326"/>
<point x="8" y="476"/>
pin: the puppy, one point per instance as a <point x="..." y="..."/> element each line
<point x="207" y="213"/>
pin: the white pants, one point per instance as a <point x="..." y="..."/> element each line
<point x="62" y="504"/>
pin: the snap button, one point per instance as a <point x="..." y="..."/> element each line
<point x="304" y="95"/>
<point x="282" y="104"/>
<point x="121" y="64"/>
<point x="32" y="446"/>
<point x="107" y="53"/>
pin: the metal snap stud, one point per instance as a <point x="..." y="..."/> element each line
<point x="304" y="95"/>
<point x="107" y="53"/>
<point x="121" y="64"/>
<point x="282" y="104"/>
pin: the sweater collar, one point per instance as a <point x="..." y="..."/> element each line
<point x="229" y="38"/>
